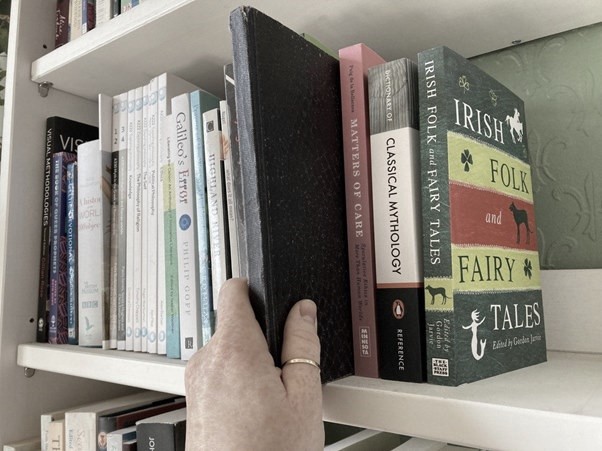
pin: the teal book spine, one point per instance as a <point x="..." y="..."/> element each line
<point x="200" y="102"/>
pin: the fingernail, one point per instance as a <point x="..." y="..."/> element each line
<point x="308" y="311"/>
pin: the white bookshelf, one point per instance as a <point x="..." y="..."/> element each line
<point x="526" y="409"/>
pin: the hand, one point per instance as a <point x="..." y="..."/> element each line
<point x="237" y="399"/>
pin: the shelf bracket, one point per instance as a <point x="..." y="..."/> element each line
<point x="29" y="372"/>
<point x="44" y="87"/>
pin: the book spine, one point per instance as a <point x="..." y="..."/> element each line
<point x="44" y="273"/>
<point x="115" y="250"/>
<point x="145" y="277"/>
<point x="88" y="15"/>
<point x="103" y="11"/>
<point x="232" y="136"/>
<point x="354" y="65"/>
<point x="186" y="228"/>
<point x="231" y="210"/>
<point x="75" y="19"/>
<point x="120" y="146"/>
<point x="153" y="436"/>
<point x="80" y="431"/>
<point x="155" y="297"/>
<point x="94" y="212"/>
<point x="172" y="314"/>
<point x="131" y="261"/>
<point x="58" y="317"/>
<point x="62" y="23"/>
<point x="395" y="158"/>
<point x="218" y="226"/>
<point x="72" y="329"/>
<point x="199" y="103"/>
<point x="137" y="222"/>
<point x="439" y="323"/>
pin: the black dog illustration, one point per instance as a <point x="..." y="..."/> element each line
<point x="434" y="291"/>
<point x="520" y="217"/>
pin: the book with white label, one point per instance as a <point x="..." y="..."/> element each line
<point x="94" y="225"/>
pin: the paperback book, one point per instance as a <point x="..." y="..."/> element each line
<point x="483" y="301"/>
<point x="62" y="135"/>
<point x="355" y="62"/>
<point x="395" y="153"/>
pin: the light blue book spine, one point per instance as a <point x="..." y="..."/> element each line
<point x="72" y="253"/>
<point x="200" y="102"/>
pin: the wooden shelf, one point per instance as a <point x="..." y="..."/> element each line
<point x="192" y="40"/>
<point x="136" y="369"/>
<point x="554" y="405"/>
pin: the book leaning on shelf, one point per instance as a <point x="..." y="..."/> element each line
<point x="395" y="156"/>
<point x="484" y="311"/>
<point x="288" y="109"/>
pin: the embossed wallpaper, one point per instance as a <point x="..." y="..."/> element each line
<point x="560" y="80"/>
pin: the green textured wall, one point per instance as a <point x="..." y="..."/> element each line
<point x="560" y="80"/>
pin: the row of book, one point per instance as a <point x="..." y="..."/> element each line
<point x="416" y="208"/>
<point x="143" y="215"/>
<point x="443" y="258"/>
<point x="76" y="17"/>
<point x="140" y="421"/>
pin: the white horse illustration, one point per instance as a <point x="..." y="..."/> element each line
<point x="516" y="126"/>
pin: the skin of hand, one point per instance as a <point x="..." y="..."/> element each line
<point x="237" y="399"/>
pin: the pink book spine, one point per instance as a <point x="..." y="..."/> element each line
<point x="355" y="61"/>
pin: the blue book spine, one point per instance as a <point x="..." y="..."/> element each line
<point x="72" y="253"/>
<point x="58" y="318"/>
<point x="200" y="102"/>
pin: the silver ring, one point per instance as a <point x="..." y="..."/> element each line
<point x="306" y="361"/>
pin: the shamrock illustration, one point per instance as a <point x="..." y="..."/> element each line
<point x="528" y="268"/>
<point x="463" y="83"/>
<point x="493" y="97"/>
<point x="466" y="160"/>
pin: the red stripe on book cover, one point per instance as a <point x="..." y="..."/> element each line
<point x="481" y="217"/>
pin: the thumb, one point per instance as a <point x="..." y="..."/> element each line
<point x="302" y="380"/>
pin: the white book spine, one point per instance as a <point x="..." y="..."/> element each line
<point x="153" y="296"/>
<point x="138" y="240"/>
<point x="103" y="11"/>
<point x="75" y="19"/>
<point x="144" y="226"/>
<point x="94" y="187"/>
<point x="120" y="143"/>
<point x="215" y="201"/>
<point x="80" y="431"/>
<point x="130" y="219"/>
<point x="190" y="333"/>
<point x="230" y="198"/>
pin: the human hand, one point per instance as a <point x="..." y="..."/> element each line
<point x="237" y="399"/>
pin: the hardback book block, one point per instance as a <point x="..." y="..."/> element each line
<point x="288" y="108"/>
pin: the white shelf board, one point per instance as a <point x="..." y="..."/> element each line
<point x="556" y="405"/>
<point x="135" y="369"/>
<point x="192" y="39"/>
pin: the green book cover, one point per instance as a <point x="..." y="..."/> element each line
<point x="484" y="311"/>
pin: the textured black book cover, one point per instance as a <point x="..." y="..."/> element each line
<point x="62" y="135"/>
<point x="289" y="123"/>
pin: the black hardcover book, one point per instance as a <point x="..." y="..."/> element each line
<point x="165" y="432"/>
<point x="62" y="135"/>
<point x="288" y="109"/>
